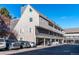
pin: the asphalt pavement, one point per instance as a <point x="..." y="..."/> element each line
<point x="56" y="50"/>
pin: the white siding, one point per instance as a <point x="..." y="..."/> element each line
<point x="24" y="25"/>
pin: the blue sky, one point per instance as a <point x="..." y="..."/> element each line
<point x="65" y="15"/>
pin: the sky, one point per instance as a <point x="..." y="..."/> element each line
<point x="65" y="15"/>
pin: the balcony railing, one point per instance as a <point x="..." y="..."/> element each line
<point x="48" y="36"/>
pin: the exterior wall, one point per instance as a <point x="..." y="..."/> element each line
<point x="23" y="25"/>
<point x="44" y="23"/>
<point x="71" y="37"/>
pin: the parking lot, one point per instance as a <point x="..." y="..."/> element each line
<point x="56" y="50"/>
<point x="45" y="50"/>
<point x="8" y="52"/>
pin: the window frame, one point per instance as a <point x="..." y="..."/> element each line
<point x="30" y="10"/>
<point x="30" y="19"/>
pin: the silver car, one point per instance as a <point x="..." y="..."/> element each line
<point x="12" y="44"/>
<point x="24" y="44"/>
<point x="2" y="43"/>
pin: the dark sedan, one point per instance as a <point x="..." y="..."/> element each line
<point x="12" y="44"/>
<point x="24" y="44"/>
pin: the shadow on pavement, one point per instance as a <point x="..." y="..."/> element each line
<point x="58" y="50"/>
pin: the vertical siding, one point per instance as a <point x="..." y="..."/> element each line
<point x="23" y="25"/>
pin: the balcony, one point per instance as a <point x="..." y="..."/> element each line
<point x="55" y="30"/>
<point x="49" y="25"/>
<point x="41" y="35"/>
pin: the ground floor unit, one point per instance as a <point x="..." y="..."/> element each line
<point x="71" y="41"/>
<point x="71" y="38"/>
<point x="43" y="40"/>
<point x="47" y="37"/>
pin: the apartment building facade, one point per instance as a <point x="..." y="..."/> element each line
<point x="71" y="36"/>
<point x="35" y="27"/>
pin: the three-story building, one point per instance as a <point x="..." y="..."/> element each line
<point x="34" y="26"/>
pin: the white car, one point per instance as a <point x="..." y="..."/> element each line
<point x="55" y="43"/>
<point x="2" y="43"/>
<point x="32" y="44"/>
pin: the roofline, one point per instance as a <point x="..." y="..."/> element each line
<point x="45" y="17"/>
<point x="40" y="14"/>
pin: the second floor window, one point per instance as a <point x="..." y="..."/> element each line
<point x="30" y="19"/>
<point x="30" y="10"/>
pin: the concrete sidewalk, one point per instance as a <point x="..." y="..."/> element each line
<point x="23" y="50"/>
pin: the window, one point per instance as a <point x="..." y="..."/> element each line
<point x="30" y="10"/>
<point x="30" y="20"/>
<point x="21" y="39"/>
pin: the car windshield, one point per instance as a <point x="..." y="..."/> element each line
<point x="1" y="40"/>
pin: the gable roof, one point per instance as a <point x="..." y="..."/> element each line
<point x="71" y="30"/>
<point x="43" y="16"/>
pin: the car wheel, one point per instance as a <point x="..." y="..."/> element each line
<point x="21" y="47"/>
<point x="9" y="47"/>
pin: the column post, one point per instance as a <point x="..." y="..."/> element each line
<point x="44" y="42"/>
<point x="63" y="41"/>
<point x="50" y="40"/>
<point x="74" y="41"/>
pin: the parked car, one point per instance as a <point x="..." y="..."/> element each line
<point x="55" y="43"/>
<point x="49" y="44"/>
<point x="32" y="44"/>
<point x="12" y="44"/>
<point x="2" y="43"/>
<point x="24" y="44"/>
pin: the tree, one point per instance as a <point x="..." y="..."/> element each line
<point x="5" y="12"/>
